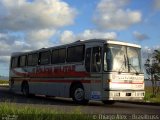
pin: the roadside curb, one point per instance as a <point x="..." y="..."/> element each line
<point x="141" y="103"/>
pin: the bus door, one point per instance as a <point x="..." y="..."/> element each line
<point x="93" y="63"/>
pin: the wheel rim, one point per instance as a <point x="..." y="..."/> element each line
<point x="79" y="94"/>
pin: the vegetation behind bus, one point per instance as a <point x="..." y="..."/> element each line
<point x="149" y="95"/>
<point x="4" y="81"/>
<point x="152" y="67"/>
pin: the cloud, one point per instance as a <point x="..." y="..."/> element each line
<point x="8" y="37"/>
<point x="21" y="15"/>
<point x="40" y="35"/>
<point x="110" y="14"/>
<point x="69" y="36"/>
<point x="40" y="38"/>
<point x="9" y="45"/>
<point x="4" y="59"/>
<point x="147" y="51"/>
<point x="27" y="25"/>
<point x="33" y="40"/>
<point x="140" y="36"/>
<point x="93" y="34"/>
<point x="156" y="4"/>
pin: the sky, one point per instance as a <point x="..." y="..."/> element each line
<point x="27" y="25"/>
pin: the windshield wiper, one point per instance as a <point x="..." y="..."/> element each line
<point x="124" y="63"/>
<point x="130" y="65"/>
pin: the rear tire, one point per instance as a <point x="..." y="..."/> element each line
<point x="108" y="102"/>
<point x="25" y="89"/>
<point x="78" y="94"/>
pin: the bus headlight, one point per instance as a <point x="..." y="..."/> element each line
<point x="140" y="94"/>
<point x="117" y="94"/>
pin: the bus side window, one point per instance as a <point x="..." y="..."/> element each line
<point x="22" y="61"/>
<point x="96" y="59"/>
<point x="88" y="59"/>
<point x="45" y="58"/>
<point x="75" y="53"/>
<point x="14" y="63"/>
<point x="62" y="55"/>
<point x="58" y="56"/>
<point x="32" y="59"/>
<point x="55" y="56"/>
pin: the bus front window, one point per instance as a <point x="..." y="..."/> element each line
<point x="122" y="59"/>
<point x="134" y="59"/>
<point x="115" y="58"/>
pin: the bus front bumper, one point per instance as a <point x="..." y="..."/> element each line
<point x="126" y="95"/>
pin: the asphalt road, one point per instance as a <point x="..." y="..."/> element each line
<point x="67" y="105"/>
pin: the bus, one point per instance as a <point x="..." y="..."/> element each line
<point x="95" y="69"/>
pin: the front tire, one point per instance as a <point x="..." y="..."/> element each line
<point x="78" y="94"/>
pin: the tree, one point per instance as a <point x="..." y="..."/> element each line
<point x="152" y="67"/>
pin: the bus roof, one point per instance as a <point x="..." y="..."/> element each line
<point x="122" y="43"/>
<point x="109" y="41"/>
<point x="16" y="53"/>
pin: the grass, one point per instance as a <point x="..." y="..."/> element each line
<point x="11" y="110"/>
<point x="4" y="81"/>
<point x="148" y="96"/>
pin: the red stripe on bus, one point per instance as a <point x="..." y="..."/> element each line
<point x="59" y="81"/>
<point x="53" y="74"/>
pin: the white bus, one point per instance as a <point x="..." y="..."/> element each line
<point x="95" y="69"/>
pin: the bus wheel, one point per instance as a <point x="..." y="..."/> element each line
<point x="25" y="89"/>
<point x="78" y="94"/>
<point x="109" y="102"/>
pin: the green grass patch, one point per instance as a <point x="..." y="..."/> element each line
<point x="4" y="81"/>
<point x="24" y="112"/>
<point x="148" y="96"/>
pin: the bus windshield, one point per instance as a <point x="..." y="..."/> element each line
<point x="122" y="59"/>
